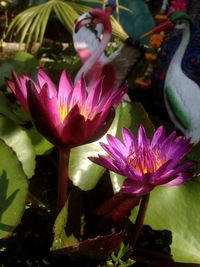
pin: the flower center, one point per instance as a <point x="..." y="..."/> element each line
<point x="145" y="160"/>
<point x="85" y="111"/>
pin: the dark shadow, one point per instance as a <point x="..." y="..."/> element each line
<point x="5" y="201"/>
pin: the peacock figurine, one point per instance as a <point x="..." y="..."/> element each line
<point x="181" y="89"/>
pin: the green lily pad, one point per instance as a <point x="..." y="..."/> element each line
<point x="22" y="62"/>
<point x="5" y="108"/>
<point x="69" y="233"/>
<point x="17" y="139"/>
<point x="177" y="209"/>
<point x="68" y="224"/>
<point x="41" y="144"/>
<point x="13" y="190"/>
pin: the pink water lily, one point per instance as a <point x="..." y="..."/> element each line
<point x="145" y="163"/>
<point x="68" y="116"/>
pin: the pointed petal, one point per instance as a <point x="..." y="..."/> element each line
<point x="129" y="139"/>
<point x="45" y="114"/>
<point x="81" y="91"/>
<point x="44" y="78"/>
<point x="94" y="95"/>
<point x="158" y="136"/>
<point x="117" y="145"/>
<point x="105" y="162"/>
<point x="65" y="86"/>
<point x="155" y="179"/>
<point x="80" y="94"/>
<point x="170" y="175"/>
<point x="73" y="130"/>
<point x="136" y="188"/>
<point x="99" y="126"/>
<point x="143" y="141"/>
<point x="180" y="179"/>
<point x="114" y="152"/>
<point x="19" y="89"/>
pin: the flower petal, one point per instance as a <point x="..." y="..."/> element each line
<point x="18" y="87"/>
<point x="73" y="129"/>
<point x="180" y="179"/>
<point x="112" y="151"/>
<point x="43" y="79"/>
<point x="44" y="111"/>
<point x="170" y="175"/>
<point x="99" y="126"/>
<point x="143" y="141"/>
<point x="65" y="87"/>
<point x="129" y="140"/>
<point x="105" y="162"/>
<point x="136" y="188"/>
<point x="117" y="144"/>
<point x="158" y="136"/>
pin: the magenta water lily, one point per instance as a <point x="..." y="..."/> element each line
<point x="68" y="116"/>
<point x="145" y="163"/>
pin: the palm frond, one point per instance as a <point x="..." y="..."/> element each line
<point x="66" y="14"/>
<point x="31" y="24"/>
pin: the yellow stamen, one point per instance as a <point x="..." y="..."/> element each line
<point x="63" y="111"/>
<point x="145" y="160"/>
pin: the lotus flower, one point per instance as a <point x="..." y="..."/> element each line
<point x="69" y="116"/>
<point x="145" y="163"/>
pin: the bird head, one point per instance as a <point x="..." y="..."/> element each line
<point x="180" y="19"/>
<point x="110" y="6"/>
<point x="177" y="20"/>
<point x="94" y="17"/>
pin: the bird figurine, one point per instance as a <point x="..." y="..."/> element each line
<point x="86" y="40"/>
<point x="96" y="63"/>
<point x="181" y="93"/>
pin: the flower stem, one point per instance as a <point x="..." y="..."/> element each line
<point x="139" y="220"/>
<point x="63" y="178"/>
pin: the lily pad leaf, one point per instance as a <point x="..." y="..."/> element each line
<point x="16" y="138"/>
<point x="13" y="190"/>
<point x="23" y="62"/>
<point x="68" y="224"/>
<point x="41" y="144"/>
<point x="69" y="232"/>
<point x="176" y="209"/>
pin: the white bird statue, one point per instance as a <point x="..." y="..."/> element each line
<point x="181" y="93"/>
<point x="91" y="49"/>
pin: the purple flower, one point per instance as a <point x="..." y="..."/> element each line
<point x="145" y="163"/>
<point x="68" y="116"/>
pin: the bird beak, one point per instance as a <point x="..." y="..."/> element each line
<point x="166" y="25"/>
<point x="81" y="21"/>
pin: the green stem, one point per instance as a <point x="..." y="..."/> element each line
<point x="139" y="220"/>
<point x="63" y="178"/>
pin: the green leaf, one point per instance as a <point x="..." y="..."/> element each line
<point x="17" y="139"/>
<point x="13" y="190"/>
<point x="177" y="209"/>
<point x="40" y="143"/>
<point x="22" y="62"/>
<point x="68" y="224"/>
<point x="5" y="109"/>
